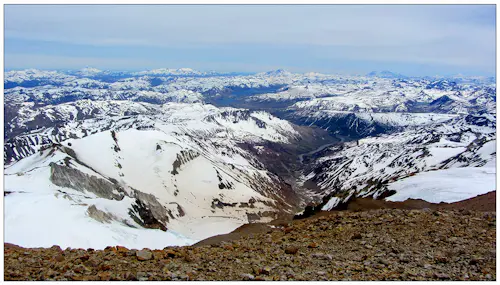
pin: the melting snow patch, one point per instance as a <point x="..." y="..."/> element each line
<point x="448" y="185"/>
<point x="334" y="201"/>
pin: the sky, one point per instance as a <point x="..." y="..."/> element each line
<point x="413" y="40"/>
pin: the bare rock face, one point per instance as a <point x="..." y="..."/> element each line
<point x="148" y="212"/>
<point x="65" y="176"/>
<point x="99" y="215"/>
<point x="182" y="158"/>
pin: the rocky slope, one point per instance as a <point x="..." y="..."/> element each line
<point x="439" y="162"/>
<point x="128" y="170"/>
<point x="386" y="244"/>
<point x="129" y="155"/>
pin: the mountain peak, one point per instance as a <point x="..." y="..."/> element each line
<point x="89" y="71"/>
<point x="385" y="74"/>
<point x="171" y="71"/>
<point x="277" y="72"/>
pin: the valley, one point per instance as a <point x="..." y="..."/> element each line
<point x="250" y="142"/>
<point x="171" y="157"/>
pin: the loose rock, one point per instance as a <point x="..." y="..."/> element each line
<point x="247" y="276"/>
<point x="143" y="255"/>
<point x="291" y="250"/>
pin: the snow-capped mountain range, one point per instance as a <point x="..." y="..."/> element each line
<point x="175" y="166"/>
<point x="171" y="156"/>
<point x="416" y="163"/>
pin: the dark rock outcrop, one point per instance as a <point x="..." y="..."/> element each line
<point x="65" y="176"/>
<point x="148" y="212"/>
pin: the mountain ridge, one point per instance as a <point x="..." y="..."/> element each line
<point x="133" y="155"/>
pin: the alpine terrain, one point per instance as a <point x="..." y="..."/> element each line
<point x="111" y="160"/>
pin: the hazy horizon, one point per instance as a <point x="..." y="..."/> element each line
<point x="413" y="40"/>
<point x="248" y="72"/>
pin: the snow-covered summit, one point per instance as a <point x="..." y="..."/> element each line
<point x="174" y="72"/>
<point x="19" y="76"/>
<point x="89" y="71"/>
<point x="277" y="72"/>
<point x="385" y="74"/>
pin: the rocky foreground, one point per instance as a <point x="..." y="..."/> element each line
<point x="381" y="244"/>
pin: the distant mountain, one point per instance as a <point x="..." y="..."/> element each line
<point x="385" y="74"/>
<point x="89" y="72"/>
<point x="176" y="72"/>
<point x="34" y="77"/>
<point x="277" y="72"/>
<point x="445" y="85"/>
<point x="118" y="157"/>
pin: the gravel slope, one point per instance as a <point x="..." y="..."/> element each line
<point x="382" y="244"/>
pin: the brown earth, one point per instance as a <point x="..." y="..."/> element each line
<point x="381" y="244"/>
<point x="485" y="203"/>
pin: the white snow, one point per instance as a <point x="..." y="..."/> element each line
<point x="37" y="214"/>
<point x="42" y="220"/>
<point x="33" y="213"/>
<point x="148" y="146"/>
<point x="446" y="185"/>
<point x="331" y="204"/>
<point x="393" y="157"/>
<point x="439" y="154"/>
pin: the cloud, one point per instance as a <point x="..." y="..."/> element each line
<point x="455" y="35"/>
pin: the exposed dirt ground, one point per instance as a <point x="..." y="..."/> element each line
<point x="483" y="203"/>
<point x="442" y="243"/>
